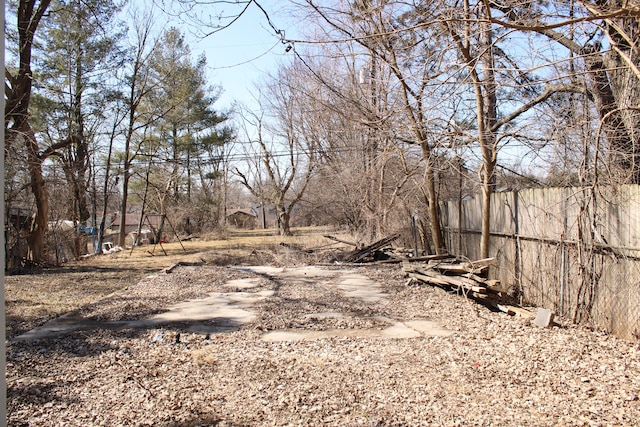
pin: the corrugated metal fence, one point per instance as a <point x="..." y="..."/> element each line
<point x="573" y="250"/>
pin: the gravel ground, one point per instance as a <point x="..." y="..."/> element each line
<point x="492" y="370"/>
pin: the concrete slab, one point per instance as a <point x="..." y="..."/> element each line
<point x="304" y="335"/>
<point x="311" y="271"/>
<point x="228" y="310"/>
<point x="544" y="318"/>
<point x="63" y="324"/>
<point x="224" y="311"/>
<point x="247" y="298"/>
<point x="429" y="328"/>
<point x="397" y="330"/>
<point x="243" y="283"/>
<point x="361" y="287"/>
<point x="352" y="284"/>
<point x="228" y="306"/>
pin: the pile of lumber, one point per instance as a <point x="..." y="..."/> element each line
<point x="466" y="278"/>
<point x="372" y="251"/>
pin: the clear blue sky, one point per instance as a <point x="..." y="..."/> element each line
<point x="240" y="55"/>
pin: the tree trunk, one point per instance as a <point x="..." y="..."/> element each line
<point x="487" y="117"/>
<point x="625" y="84"/>
<point x="284" y="219"/>
<point x="612" y="109"/>
<point x="434" y="213"/>
<point x="123" y="208"/>
<point x="126" y="174"/>
<point x="175" y="170"/>
<point x="81" y="160"/>
<point x="17" y="110"/>
<point x="39" y="226"/>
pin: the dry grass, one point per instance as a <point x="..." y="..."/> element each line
<point x="32" y="299"/>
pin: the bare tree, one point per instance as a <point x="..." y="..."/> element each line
<point x="480" y="51"/>
<point x="77" y="51"/>
<point x="373" y="25"/>
<point x="484" y="87"/>
<point x="283" y="154"/>
<point x="603" y="35"/>
<point x="139" y="85"/>
<point x="18" y="90"/>
<point x="439" y="53"/>
<point x="364" y="167"/>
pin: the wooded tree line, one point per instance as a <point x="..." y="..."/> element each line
<point x="410" y="103"/>
<point x="383" y="109"/>
<point x="99" y="113"/>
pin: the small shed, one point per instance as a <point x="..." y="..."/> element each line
<point x="243" y="218"/>
<point x="132" y="220"/>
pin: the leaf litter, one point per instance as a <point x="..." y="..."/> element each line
<point x="492" y="369"/>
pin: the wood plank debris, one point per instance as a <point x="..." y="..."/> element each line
<point x="476" y="267"/>
<point x="415" y="259"/>
<point x="486" y="262"/>
<point x="370" y="250"/>
<point x="467" y="279"/>
<point x="381" y="252"/>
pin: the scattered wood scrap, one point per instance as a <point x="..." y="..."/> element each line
<point x="416" y="259"/>
<point x="370" y="250"/>
<point x="467" y="279"/>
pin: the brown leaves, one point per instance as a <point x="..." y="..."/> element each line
<point x="494" y="368"/>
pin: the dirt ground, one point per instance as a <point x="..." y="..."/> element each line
<point x="307" y="343"/>
<point x="35" y="296"/>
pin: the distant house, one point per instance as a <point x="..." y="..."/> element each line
<point x="243" y="218"/>
<point x="132" y="220"/>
